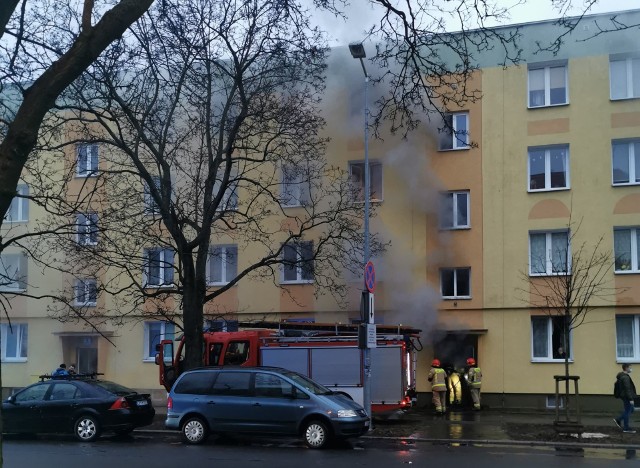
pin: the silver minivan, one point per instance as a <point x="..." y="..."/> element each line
<point x="261" y="400"/>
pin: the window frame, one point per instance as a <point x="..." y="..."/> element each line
<point x="300" y="185"/>
<point x="21" y="205"/>
<point x="635" y="338"/>
<point x="635" y="254"/>
<point x="547" y="168"/>
<point x="223" y="267"/>
<point x="359" y="193"/>
<point x="162" y="336"/>
<point x="549" y="248"/>
<point x="454" y="207"/>
<point x="17" y="329"/>
<point x="455" y="283"/>
<point x="88" y="170"/>
<point x="86" y="284"/>
<point x="547" y="83"/>
<point x="631" y="92"/>
<point x="163" y="265"/>
<point x="21" y="273"/>
<point x="549" y="341"/>
<point x="299" y="264"/>
<point x="84" y="231"/>
<point x="634" y="176"/>
<point x="454" y="139"/>
<point x="150" y="205"/>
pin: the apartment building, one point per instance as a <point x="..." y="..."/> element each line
<point x="473" y="219"/>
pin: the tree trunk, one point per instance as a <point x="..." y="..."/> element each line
<point x="193" y="316"/>
<point x="565" y="347"/>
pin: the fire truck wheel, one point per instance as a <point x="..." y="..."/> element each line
<point x="316" y="434"/>
<point x="86" y="428"/>
<point x="194" y="430"/>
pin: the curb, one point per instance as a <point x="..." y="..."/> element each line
<point x="501" y="442"/>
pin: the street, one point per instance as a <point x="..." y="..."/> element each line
<point x="162" y="450"/>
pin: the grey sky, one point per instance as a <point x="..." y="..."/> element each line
<point x="362" y="15"/>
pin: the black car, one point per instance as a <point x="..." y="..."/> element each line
<point x="82" y="405"/>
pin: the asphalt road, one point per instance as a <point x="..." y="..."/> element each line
<point x="158" y="451"/>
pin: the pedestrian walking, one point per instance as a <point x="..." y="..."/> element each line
<point x="474" y="374"/>
<point x="626" y="391"/>
<point x="438" y="379"/>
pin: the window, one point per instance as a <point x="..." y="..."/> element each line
<point x="454" y="210"/>
<point x="625" y="161"/>
<point x="298" y="263"/>
<point x="233" y="384"/>
<point x="35" y="393"/>
<point x="229" y="201"/>
<point x="223" y="264"/>
<point x="626" y="245"/>
<point x="15" y="339"/>
<point x="624" y="74"/>
<point x="548" y="168"/>
<point x="13" y="272"/>
<point x="19" y="208"/>
<point x="158" y="267"/>
<point x="455" y="134"/>
<point x="295" y="186"/>
<point x="271" y="386"/>
<point x="87" y="229"/>
<point x="547" y="341"/>
<point x="86" y="292"/>
<point x="154" y="332"/>
<point x="455" y="283"/>
<point x="87" y="160"/>
<point x="356" y="171"/>
<point x="196" y="383"/>
<point x="64" y="391"/>
<point x="548" y="85"/>
<point x="549" y="253"/>
<point x="237" y="353"/>
<point x="150" y="205"/>
<point x="628" y="338"/>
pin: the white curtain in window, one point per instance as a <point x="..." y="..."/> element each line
<point x="558" y="88"/>
<point x="620" y="163"/>
<point x="559" y="251"/>
<point x="538" y="249"/>
<point x="536" y="87"/>
<point x="625" y="331"/>
<point x="540" y="331"/>
<point x="622" y="249"/>
<point x="635" y="77"/>
<point x="618" y="79"/>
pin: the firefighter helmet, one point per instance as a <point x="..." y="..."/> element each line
<point x="435" y="363"/>
<point x="471" y="362"/>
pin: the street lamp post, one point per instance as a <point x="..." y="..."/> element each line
<point x="358" y="52"/>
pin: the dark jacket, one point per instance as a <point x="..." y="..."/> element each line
<point x="628" y="388"/>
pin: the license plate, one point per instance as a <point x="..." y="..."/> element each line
<point x="142" y="403"/>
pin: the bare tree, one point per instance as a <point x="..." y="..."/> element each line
<point x="206" y="118"/>
<point x="567" y="279"/>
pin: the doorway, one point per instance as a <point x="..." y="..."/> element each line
<point x="87" y="359"/>
<point x="453" y="350"/>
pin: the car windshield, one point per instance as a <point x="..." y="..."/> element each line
<point x="112" y="387"/>
<point x="308" y="384"/>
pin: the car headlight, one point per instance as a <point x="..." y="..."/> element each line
<point x="347" y="413"/>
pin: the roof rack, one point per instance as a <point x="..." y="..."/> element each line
<point x="88" y="376"/>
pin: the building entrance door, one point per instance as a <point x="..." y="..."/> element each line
<point x="453" y="351"/>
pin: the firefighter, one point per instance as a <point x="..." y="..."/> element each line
<point x="475" y="382"/>
<point x="438" y="379"/>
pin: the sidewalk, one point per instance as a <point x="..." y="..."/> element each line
<point x="488" y="427"/>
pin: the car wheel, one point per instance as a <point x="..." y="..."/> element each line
<point x="316" y="435"/>
<point x="86" y="428"/>
<point x="194" y="430"/>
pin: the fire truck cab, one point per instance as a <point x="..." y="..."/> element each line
<point x="327" y="353"/>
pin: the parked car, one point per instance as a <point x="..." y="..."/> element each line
<point x="82" y="405"/>
<point x="261" y="400"/>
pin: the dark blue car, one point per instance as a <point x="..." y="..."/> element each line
<point x="261" y="400"/>
<point x="83" y="406"/>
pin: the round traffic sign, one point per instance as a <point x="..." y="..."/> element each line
<point x="370" y="277"/>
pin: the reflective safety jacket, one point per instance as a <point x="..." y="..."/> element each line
<point x="438" y="379"/>
<point x="475" y="377"/>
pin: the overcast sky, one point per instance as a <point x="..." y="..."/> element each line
<point x="360" y="15"/>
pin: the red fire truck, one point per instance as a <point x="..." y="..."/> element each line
<point x="328" y="353"/>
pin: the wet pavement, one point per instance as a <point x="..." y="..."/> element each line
<point x="490" y="426"/>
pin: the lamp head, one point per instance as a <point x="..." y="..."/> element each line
<point x="357" y="50"/>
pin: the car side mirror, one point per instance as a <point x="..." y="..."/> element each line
<point x="11" y="399"/>
<point x="157" y="359"/>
